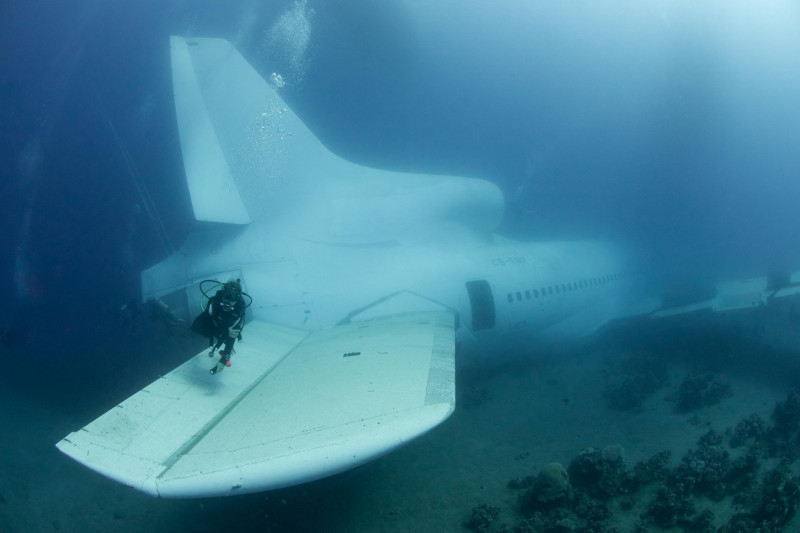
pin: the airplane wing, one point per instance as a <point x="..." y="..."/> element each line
<point x="294" y="407"/>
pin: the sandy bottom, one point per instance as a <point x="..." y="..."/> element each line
<point x="512" y="418"/>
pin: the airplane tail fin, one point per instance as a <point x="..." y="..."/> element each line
<point x="250" y="158"/>
<point x="229" y="138"/>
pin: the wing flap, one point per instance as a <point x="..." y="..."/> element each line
<point x="310" y="406"/>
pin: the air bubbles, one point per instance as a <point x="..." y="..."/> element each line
<point x="288" y="40"/>
<point x="277" y="80"/>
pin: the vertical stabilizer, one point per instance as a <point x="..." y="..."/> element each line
<point x="249" y="157"/>
<point x="215" y="197"/>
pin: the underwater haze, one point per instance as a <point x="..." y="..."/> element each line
<point x="672" y="127"/>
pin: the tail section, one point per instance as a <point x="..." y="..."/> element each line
<point x="249" y="157"/>
<point x="215" y="197"/>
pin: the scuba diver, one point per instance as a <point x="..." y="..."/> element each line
<point x="155" y="309"/>
<point x="158" y="311"/>
<point x="129" y="315"/>
<point x="222" y="319"/>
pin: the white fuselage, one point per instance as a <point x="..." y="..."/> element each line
<point x="502" y="292"/>
<point x="318" y="240"/>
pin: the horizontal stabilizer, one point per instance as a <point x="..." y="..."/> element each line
<point x="790" y="286"/>
<point x="292" y="408"/>
<point x="741" y="294"/>
<point x="737" y="295"/>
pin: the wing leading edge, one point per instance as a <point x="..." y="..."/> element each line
<point x="294" y="407"/>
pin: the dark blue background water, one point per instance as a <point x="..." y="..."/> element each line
<point x="667" y="126"/>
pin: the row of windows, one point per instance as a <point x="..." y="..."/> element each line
<point x="564" y="287"/>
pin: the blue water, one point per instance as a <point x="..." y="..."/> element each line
<point x="671" y="126"/>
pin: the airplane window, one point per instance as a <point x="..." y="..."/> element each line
<point x="482" y="302"/>
<point x="535" y="293"/>
<point x="527" y="295"/>
<point x="519" y="296"/>
<point x="558" y="290"/>
<point x="510" y="297"/>
<point x="550" y="290"/>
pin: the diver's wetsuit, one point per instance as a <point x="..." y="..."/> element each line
<point x="226" y="310"/>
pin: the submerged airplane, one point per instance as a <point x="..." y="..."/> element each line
<point x="364" y="283"/>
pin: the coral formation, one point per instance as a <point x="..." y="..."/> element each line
<point x="482" y="518"/>
<point x="551" y="484"/>
<point x="656" y="468"/>
<point x="698" y="391"/>
<point x="613" y="453"/>
<point x="601" y="473"/>
<point x="751" y="430"/>
<point x="783" y="437"/>
<point x="640" y="378"/>
<point x="598" y="483"/>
